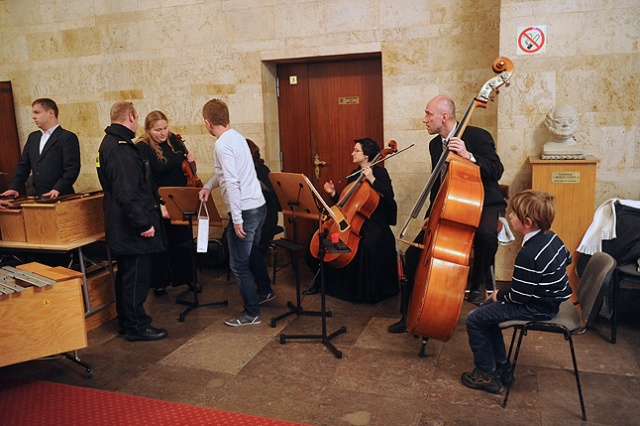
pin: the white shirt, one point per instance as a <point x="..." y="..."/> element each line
<point x="45" y="136"/>
<point x="235" y="174"/>
<point x="530" y="235"/>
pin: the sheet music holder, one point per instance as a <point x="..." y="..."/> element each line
<point x="182" y="203"/>
<point x="296" y="193"/>
<point x="296" y="201"/>
<point x="185" y="197"/>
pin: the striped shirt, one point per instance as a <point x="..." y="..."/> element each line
<point x="540" y="274"/>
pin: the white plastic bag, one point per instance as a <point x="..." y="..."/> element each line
<point x="203" y="229"/>
<point x="505" y="236"/>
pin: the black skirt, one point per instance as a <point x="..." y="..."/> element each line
<point x="372" y="275"/>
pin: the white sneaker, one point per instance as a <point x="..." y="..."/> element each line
<point x="243" y="319"/>
<point x="266" y="298"/>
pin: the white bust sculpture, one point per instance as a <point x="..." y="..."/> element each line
<point x="562" y="122"/>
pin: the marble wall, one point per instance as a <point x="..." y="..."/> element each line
<point x="174" y="55"/>
<point x="592" y="62"/>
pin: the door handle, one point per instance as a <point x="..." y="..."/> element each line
<point x="318" y="164"/>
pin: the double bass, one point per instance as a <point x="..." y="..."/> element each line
<point x="441" y="276"/>
<point x="357" y="205"/>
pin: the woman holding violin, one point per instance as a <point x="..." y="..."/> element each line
<point x="372" y="275"/>
<point x="171" y="164"/>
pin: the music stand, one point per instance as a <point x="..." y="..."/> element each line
<point x="298" y="190"/>
<point x="295" y="202"/>
<point x="182" y="203"/>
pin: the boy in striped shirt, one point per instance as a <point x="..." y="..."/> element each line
<point x="538" y="286"/>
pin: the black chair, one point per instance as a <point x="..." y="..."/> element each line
<point x="625" y="276"/>
<point x="569" y="321"/>
<point x="284" y="243"/>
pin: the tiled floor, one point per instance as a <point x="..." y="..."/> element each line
<point x="380" y="380"/>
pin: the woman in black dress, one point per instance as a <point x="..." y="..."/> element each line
<point x="372" y="275"/>
<point x="165" y="153"/>
<point x="270" y="226"/>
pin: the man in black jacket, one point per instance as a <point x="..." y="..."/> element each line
<point x="477" y="145"/>
<point x="51" y="153"/>
<point x="132" y="220"/>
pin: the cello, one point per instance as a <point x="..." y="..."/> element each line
<point x="357" y="205"/>
<point x="441" y="276"/>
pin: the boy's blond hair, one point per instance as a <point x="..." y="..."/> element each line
<point x="535" y="205"/>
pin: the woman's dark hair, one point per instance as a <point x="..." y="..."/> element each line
<point x="255" y="153"/>
<point x="369" y="147"/>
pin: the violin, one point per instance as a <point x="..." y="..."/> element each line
<point x="189" y="168"/>
<point x="357" y="205"/>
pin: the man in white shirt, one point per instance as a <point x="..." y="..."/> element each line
<point x="236" y="176"/>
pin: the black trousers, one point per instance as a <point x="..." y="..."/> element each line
<point x="132" y="286"/>
<point x="485" y="246"/>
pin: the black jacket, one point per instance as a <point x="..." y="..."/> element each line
<point x="56" y="168"/>
<point x="131" y="204"/>
<point x="479" y="143"/>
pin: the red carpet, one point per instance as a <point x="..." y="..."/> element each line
<point x="34" y="403"/>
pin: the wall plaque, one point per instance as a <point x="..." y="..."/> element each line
<point x="565" y="177"/>
<point x="349" y="100"/>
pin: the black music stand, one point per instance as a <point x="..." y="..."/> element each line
<point x="182" y="203"/>
<point x="308" y="199"/>
<point x="295" y="202"/>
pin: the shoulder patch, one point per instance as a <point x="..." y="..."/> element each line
<point x="98" y="160"/>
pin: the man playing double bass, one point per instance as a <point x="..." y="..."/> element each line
<point x="478" y="146"/>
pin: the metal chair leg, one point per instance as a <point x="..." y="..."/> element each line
<point x="523" y="332"/>
<point x="575" y="370"/>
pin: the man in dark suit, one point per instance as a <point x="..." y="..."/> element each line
<point x="52" y="154"/>
<point x="477" y="145"/>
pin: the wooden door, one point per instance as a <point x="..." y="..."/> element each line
<point x="323" y="107"/>
<point x="9" y="141"/>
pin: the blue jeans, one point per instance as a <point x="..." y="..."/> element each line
<point x="485" y="337"/>
<point x="244" y="253"/>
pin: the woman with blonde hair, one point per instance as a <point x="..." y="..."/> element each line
<point x="165" y="152"/>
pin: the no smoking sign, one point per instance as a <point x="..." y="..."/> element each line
<point x="532" y="40"/>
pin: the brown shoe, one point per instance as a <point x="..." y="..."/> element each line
<point x="483" y="380"/>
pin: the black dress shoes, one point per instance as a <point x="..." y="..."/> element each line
<point x="199" y="288"/>
<point x="477" y="297"/>
<point x="399" y="327"/>
<point x="160" y="291"/>
<point x="313" y="290"/>
<point x="149" y="333"/>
